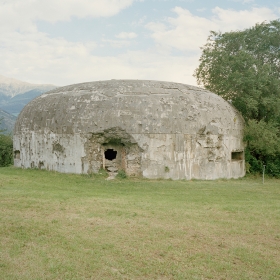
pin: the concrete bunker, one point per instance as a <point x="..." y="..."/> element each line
<point x="145" y="128"/>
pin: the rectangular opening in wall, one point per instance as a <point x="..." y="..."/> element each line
<point x="17" y="154"/>
<point x="237" y="155"/>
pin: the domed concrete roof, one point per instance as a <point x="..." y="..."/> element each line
<point x="135" y="106"/>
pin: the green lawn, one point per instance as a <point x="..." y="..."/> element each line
<point x="61" y="226"/>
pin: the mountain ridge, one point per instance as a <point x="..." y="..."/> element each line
<point x="7" y="122"/>
<point x="14" y="95"/>
<point x="12" y="87"/>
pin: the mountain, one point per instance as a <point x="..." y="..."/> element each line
<point x="12" y="87"/>
<point x="15" y="94"/>
<point x="14" y="105"/>
<point x="7" y="122"/>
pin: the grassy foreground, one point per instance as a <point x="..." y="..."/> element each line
<point x="59" y="226"/>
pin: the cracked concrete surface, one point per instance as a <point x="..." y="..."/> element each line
<point x="157" y="129"/>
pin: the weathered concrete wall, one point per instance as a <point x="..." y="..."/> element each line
<point x="157" y="129"/>
<point x="176" y="156"/>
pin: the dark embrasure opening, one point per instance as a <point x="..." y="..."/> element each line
<point x="110" y="154"/>
<point x="237" y="155"/>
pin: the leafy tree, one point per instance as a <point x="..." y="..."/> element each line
<point x="244" y="68"/>
<point x="6" y="149"/>
<point x="254" y="131"/>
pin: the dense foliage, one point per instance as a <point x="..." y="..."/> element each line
<point x="6" y="149"/>
<point x="244" y="68"/>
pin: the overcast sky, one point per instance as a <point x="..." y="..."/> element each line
<point x="64" y="42"/>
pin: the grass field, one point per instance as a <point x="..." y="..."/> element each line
<point x="59" y="226"/>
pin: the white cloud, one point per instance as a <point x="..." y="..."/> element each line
<point x="32" y="56"/>
<point x="60" y="62"/>
<point x="37" y="55"/>
<point x="126" y="35"/>
<point x="229" y="20"/>
<point x="201" y="10"/>
<point x="244" y="1"/>
<point x="187" y="32"/>
<point x="116" y="43"/>
<point x="139" y="22"/>
<point x="21" y="14"/>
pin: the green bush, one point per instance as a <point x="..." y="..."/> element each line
<point x="256" y="163"/>
<point x="6" y="150"/>
<point x="273" y="166"/>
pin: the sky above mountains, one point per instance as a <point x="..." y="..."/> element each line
<point x="71" y="41"/>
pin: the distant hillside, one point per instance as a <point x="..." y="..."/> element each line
<point x="7" y="121"/>
<point x="12" y="87"/>
<point x="14" y="105"/>
<point x="15" y="94"/>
